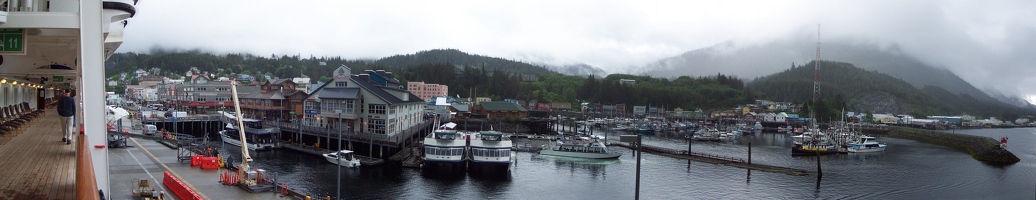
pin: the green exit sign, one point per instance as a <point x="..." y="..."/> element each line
<point x="12" y="41"/>
<point x="58" y="79"/>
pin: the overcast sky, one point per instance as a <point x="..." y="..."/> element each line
<point x="988" y="43"/>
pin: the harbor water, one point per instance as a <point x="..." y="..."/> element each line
<point x="906" y="170"/>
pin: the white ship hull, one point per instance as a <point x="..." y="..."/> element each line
<point x="251" y="146"/>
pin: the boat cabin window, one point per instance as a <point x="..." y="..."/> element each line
<point x="491" y="137"/>
<point x="253" y="124"/>
<point x="445" y="136"/>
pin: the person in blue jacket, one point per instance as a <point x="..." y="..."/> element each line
<point x="67" y="109"/>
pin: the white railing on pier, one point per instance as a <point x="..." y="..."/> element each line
<point x="357" y="136"/>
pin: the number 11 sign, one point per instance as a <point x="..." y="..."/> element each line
<point x="12" y="41"/>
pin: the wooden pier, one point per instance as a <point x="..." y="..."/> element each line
<point x="714" y="159"/>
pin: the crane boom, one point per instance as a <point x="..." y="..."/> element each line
<point x="245" y="158"/>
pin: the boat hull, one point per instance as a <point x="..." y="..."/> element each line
<point x="809" y="150"/>
<point x="866" y="149"/>
<point x="251" y="146"/>
<point x="551" y="152"/>
<point x="343" y="162"/>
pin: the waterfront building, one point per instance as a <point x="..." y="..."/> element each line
<point x="201" y="95"/>
<point x="372" y="102"/>
<point x="302" y="84"/>
<point x="561" y="105"/>
<point x="500" y="109"/>
<point x="427" y="90"/>
<point x="885" y="118"/>
<point x="275" y="100"/>
<point x="460" y="111"/>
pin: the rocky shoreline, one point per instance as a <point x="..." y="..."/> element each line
<point x="981" y="148"/>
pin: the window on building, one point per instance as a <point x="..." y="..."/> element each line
<point x="348" y="106"/>
<point x="376" y="126"/>
<point x="312" y="105"/>
<point x="376" y="108"/>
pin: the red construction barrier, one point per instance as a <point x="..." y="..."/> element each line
<point x="195" y="160"/>
<point x="178" y="188"/>
<point x="209" y="163"/>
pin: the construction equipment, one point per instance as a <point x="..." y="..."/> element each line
<point x="252" y="180"/>
<point x="145" y="191"/>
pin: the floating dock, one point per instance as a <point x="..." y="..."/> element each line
<point x="714" y="159"/>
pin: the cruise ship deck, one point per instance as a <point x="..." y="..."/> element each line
<point x="51" y="46"/>
<point x="36" y="164"/>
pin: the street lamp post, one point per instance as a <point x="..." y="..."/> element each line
<point x="339" y="155"/>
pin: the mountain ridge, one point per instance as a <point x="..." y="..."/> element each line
<point x="752" y="61"/>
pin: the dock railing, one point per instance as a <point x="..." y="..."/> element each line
<point x="382" y="139"/>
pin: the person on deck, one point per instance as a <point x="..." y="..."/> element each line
<point x="67" y="109"/>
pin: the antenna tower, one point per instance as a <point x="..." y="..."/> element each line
<point x="816" y="69"/>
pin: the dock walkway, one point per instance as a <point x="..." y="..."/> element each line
<point x="714" y="159"/>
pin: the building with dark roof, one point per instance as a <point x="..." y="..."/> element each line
<point x="371" y="102"/>
<point x="276" y="99"/>
<point x="500" y="109"/>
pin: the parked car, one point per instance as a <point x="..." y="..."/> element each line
<point x="150" y="129"/>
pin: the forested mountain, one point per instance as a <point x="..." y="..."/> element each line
<point x="460" y="58"/>
<point x="465" y="75"/>
<point x="718" y="91"/>
<point x="842" y="85"/>
<point x="756" y="60"/>
<point x="173" y="63"/>
<point x="875" y="92"/>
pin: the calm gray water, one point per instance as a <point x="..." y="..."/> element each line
<point x="906" y="170"/>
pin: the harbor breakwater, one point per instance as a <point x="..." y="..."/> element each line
<point x="983" y="149"/>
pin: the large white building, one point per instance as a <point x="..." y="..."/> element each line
<point x="370" y="102"/>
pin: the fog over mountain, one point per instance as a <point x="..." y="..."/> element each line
<point x="577" y="70"/>
<point x="753" y="60"/>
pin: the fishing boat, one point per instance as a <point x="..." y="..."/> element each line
<point x="810" y="144"/>
<point x="580" y="148"/>
<point x="490" y="149"/>
<point x="260" y="137"/>
<point x="866" y="144"/>
<point x="343" y="158"/>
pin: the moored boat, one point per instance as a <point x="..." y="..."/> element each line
<point x="445" y="147"/>
<point x="490" y="149"/>
<point x="259" y="137"/>
<point x="865" y="145"/>
<point x="258" y="140"/>
<point x="343" y="158"/>
<point x="592" y="149"/>
<point x="810" y="144"/>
